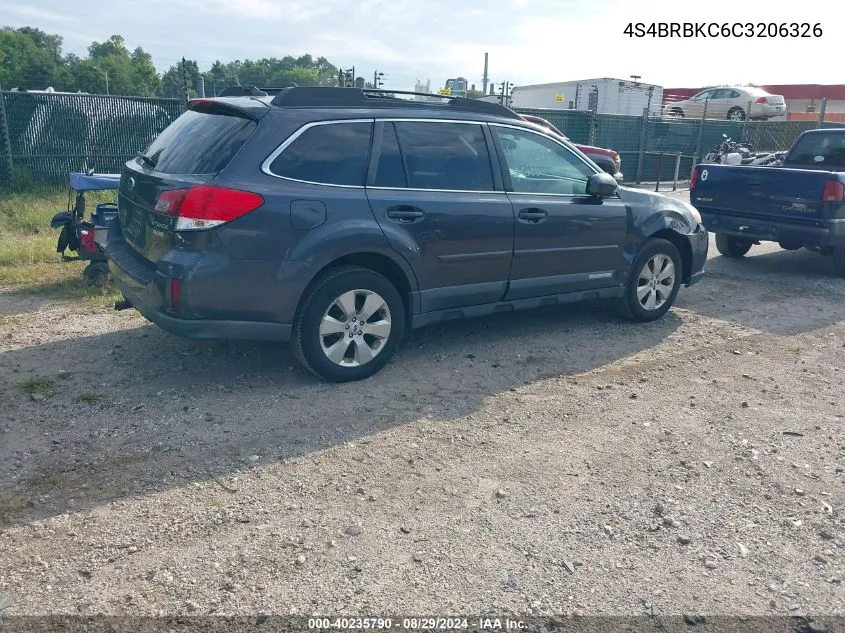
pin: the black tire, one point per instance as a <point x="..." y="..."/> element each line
<point x="839" y="261"/>
<point x="737" y="111"/>
<point x="96" y="274"/>
<point x="307" y="342"/>
<point x="677" y="112"/>
<point x="734" y="247"/>
<point x="635" y="309"/>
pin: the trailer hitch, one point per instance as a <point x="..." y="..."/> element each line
<point x="123" y="304"/>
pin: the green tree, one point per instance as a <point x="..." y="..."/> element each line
<point x="29" y="58"/>
<point x="173" y="80"/>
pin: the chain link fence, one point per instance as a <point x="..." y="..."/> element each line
<point x="653" y="149"/>
<point x="44" y="136"/>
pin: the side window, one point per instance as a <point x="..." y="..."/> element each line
<point x="701" y="96"/>
<point x="539" y="165"/>
<point x="390" y="172"/>
<point x="450" y="156"/>
<point x="331" y="154"/>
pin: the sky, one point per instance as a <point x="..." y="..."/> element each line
<point x="528" y="41"/>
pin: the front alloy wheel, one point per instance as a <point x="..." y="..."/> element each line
<point x="656" y="282"/>
<point x="653" y="282"/>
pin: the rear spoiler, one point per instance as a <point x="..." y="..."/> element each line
<point x="252" y="109"/>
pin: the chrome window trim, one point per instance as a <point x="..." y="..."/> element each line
<point x="265" y="166"/>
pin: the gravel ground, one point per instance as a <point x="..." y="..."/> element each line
<point x="554" y="462"/>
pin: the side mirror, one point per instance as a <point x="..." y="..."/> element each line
<point x="601" y="185"/>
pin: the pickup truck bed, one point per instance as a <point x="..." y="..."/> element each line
<point x="800" y="204"/>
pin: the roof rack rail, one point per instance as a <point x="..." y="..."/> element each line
<point x="336" y="97"/>
<point x="253" y="91"/>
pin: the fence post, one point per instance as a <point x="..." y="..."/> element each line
<point x="592" y="118"/>
<point x="677" y="171"/>
<point x="701" y="129"/>
<point x="643" y="137"/>
<point x="820" y="122"/>
<point x="745" y="123"/>
<point x="659" y="168"/>
<point x="5" y="144"/>
<point x="694" y="163"/>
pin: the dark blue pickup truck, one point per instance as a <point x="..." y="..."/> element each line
<point x="799" y="204"/>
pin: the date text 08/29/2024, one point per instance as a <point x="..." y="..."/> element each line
<point x="724" y="29"/>
<point x="416" y="624"/>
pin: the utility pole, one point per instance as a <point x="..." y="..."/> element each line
<point x="185" y="79"/>
<point x="504" y="92"/>
<point x="485" y="78"/>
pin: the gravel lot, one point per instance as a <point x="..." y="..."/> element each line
<point x="555" y="462"/>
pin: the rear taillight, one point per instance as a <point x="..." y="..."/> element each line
<point x="206" y="206"/>
<point x="834" y="191"/>
<point x="86" y="240"/>
<point x="175" y="293"/>
<point x="693" y="181"/>
<point x="762" y="100"/>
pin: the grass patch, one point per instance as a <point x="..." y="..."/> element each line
<point x="36" y="385"/>
<point x="87" y="398"/>
<point x="64" y="375"/>
<point x="28" y="257"/>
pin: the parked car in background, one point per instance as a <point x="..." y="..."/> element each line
<point x="607" y="159"/>
<point x="799" y="204"/>
<point x="729" y="102"/>
<point x="338" y="220"/>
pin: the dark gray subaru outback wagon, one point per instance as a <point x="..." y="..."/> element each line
<point x="338" y="219"/>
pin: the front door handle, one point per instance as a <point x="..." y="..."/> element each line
<point x="533" y="215"/>
<point x="404" y="213"/>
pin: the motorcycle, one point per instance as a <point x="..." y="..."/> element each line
<point x="86" y="236"/>
<point x="730" y="152"/>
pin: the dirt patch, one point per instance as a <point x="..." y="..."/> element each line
<point x="560" y="461"/>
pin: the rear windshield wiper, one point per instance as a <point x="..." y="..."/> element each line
<point x="149" y="161"/>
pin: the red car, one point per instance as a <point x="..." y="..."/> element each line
<point x="606" y="159"/>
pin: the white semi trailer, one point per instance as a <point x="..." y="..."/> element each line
<point x="605" y="96"/>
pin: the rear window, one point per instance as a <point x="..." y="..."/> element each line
<point x="329" y="154"/>
<point x="199" y="143"/>
<point x="819" y="150"/>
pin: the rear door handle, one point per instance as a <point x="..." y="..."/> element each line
<point x="533" y="215"/>
<point x="404" y="213"/>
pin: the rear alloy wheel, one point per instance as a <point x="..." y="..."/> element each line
<point x="350" y="325"/>
<point x="734" y="247"/>
<point x="654" y="281"/>
<point x="736" y="114"/>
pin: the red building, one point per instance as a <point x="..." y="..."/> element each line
<point x="803" y="101"/>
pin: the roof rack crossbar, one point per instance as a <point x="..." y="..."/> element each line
<point x="370" y="97"/>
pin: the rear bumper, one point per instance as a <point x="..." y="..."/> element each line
<point x="829" y="233"/>
<point x="699" y="242"/>
<point x="148" y="296"/>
